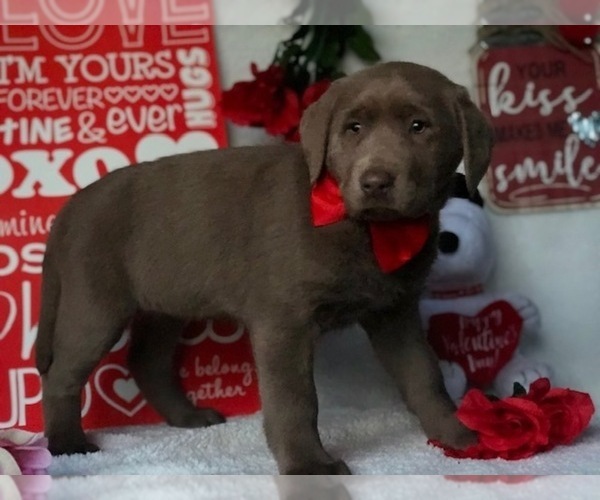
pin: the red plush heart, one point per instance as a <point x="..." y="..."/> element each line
<point x="480" y="344"/>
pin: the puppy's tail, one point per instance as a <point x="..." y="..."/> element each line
<point x="50" y="302"/>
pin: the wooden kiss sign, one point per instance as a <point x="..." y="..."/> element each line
<point x="77" y="102"/>
<point x="542" y="103"/>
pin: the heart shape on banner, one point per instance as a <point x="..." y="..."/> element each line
<point x="126" y="389"/>
<point x="151" y="93"/>
<point x="481" y="344"/>
<point x="155" y="146"/>
<point x="220" y="331"/>
<point x="115" y="385"/>
<point x="8" y="313"/>
<point x="132" y="94"/>
<point x="169" y="91"/>
<point x="113" y="94"/>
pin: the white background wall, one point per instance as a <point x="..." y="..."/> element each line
<point x="553" y="258"/>
<point x="389" y="12"/>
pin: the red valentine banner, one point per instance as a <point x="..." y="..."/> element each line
<point x="544" y="105"/>
<point x="105" y="12"/>
<point x="77" y="102"/>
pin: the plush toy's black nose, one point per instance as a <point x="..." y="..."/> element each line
<point x="448" y="242"/>
<point x="376" y="182"/>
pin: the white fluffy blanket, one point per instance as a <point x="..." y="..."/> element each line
<point x="362" y="420"/>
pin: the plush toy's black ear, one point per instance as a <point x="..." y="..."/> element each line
<point x="314" y="131"/>
<point x="459" y="190"/>
<point x="477" y="139"/>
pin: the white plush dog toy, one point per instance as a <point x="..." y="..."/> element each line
<point x="475" y="333"/>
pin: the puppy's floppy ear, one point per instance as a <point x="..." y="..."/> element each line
<point x="477" y="138"/>
<point x="314" y="131"/>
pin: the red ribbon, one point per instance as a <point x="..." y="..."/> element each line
<point x="394" y="243"/>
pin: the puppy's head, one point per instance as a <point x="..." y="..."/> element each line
<point x="392" y="136"/>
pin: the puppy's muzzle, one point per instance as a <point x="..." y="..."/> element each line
<point x="376" y="183"/>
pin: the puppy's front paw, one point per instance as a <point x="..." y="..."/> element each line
<point x="201" y="417"/>
<point x="70" y="447"/>
<point x="453" y="434"/>
<point x="336" y="468"/>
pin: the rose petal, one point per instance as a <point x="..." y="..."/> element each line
<point x="286" y="117"/>
<point x="569" y="413"/>
<point x="314" y="92"/>
<point x="255" y="102"/>
<point x="538" y="389"/>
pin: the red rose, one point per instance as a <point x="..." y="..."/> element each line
<point x="568" y="411"/>
<point x="264" y="102"/>
<point x="486" y="478"/>
<point x="285" y="116"/>
<point x="521" y="426"/>
<point x="244" y="103"/>
<point x="510" y="428"/>
<point x="311" y="95"/>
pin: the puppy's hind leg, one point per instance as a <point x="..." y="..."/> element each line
<point x="86" y="328"/>
<point x="154" y="339"/>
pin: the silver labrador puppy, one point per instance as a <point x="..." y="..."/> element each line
<point x="229" y="233"/>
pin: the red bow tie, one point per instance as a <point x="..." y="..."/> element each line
<point x="394" y="243"/>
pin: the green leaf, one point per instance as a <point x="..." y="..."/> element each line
<point x="330" y="55"/>
<point x="286" y="52"/>
<point x="299" y="78"/>
<point x="315" y="44"/>
<point x="492" y="398"/>
<point x="361" y="43"/>
<point x="337" y="74"/>
<point x="301" y="32"/>
<point x="518" y="390"/>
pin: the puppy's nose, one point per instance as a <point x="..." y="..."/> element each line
<point x="376" y="182"/>
<point x="448" y="242"/>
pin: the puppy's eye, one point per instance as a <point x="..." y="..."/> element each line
<point x="418" y="126"/>
<point x="354" y="127"/>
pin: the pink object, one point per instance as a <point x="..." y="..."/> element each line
<point x="24" y="460"/>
